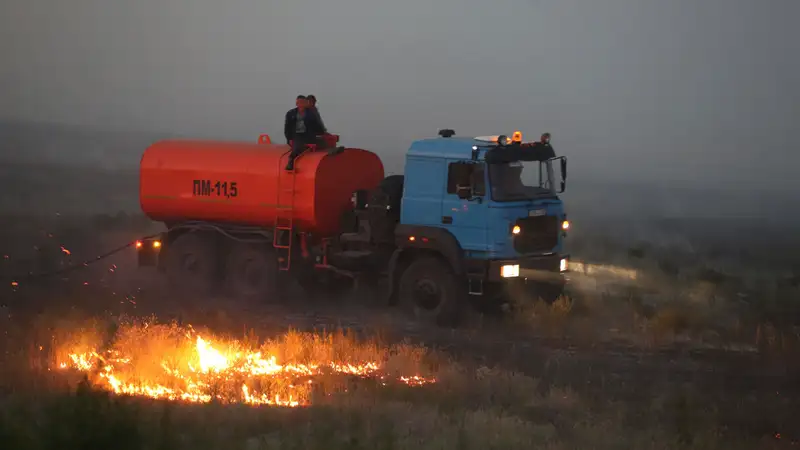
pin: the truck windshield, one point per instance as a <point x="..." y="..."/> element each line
<point x="521" y="180"/>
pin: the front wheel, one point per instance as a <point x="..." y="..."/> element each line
<point x="430" y="291"/>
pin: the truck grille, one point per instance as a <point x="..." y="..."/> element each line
<point x="537" y="234"/>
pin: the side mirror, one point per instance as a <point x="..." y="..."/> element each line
<point x="563" y="174"/>
<point x="464" y="192"/>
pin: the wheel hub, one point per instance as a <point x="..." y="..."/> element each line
<point x="190" y="264"/>
<point x="427" y="294"/>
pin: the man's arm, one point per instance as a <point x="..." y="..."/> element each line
<point x="320" y="124"/>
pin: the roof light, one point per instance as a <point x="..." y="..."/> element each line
<point x="495" y="139"/>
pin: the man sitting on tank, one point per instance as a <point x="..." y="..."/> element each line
<point x="312" y="106"/>
<point x="300" y="128"/>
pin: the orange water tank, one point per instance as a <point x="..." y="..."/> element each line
<point x="243" y="183"/>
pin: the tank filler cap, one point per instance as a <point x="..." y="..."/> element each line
<point x="446" y="133"/>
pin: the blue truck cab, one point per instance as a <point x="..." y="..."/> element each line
<point x="489" y="208"/>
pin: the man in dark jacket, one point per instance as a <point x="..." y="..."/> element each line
<point x="300" y="128"/>
<point x="312" y="106"/>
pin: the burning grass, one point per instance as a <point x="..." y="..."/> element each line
<point x="143" y="385"/>
<point x="179" y="363"/>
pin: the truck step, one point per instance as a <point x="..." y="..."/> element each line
<point x="352" y="259"/>
<point x="284" y="264"/>
<point x="475" y="286"/>
<point x="354" y="237"/>
<point x="349" y="258"/>
<point x="355" y="253"/>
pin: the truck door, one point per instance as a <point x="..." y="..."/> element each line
<point x="466" y="218"/>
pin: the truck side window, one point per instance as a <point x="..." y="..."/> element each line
<point x="478" y="180"/>
<point x="458" y="174"/>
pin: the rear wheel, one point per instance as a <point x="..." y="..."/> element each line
<point x="191" y="265"/>
<point x="251" y="271"/>
<point x="430" y="291"/>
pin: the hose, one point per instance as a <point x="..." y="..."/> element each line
<point x="72" y="267"/>
<point x="190" y="226"/>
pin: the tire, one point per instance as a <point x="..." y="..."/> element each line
<point x="251" y="272"/>
<point x="430" y="291"/>
<point x="191" y="264"/>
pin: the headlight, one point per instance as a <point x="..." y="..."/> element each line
<point x="516" y="229"/>
<point x="509" y="271"/>
<point x="565" y="225"/>
<point x="564" y="265"/>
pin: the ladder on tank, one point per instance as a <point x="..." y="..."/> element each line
<point x="283" y="232"/>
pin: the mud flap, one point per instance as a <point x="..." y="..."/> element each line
<point x="390" y="295"/>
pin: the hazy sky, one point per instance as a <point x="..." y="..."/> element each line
<point x="699" y="91"/>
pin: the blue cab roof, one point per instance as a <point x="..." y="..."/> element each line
<point x="453" y="147"/>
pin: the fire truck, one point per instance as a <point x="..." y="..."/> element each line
<point x="472" y="219"/>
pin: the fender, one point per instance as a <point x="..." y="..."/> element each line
<point x="432" y="239"/>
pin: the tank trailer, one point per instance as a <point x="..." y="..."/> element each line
<point x="472" y="220"/>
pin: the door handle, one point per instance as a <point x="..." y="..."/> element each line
<point x="447" y="220"/>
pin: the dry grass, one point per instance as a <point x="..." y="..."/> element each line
<point x="656" y="313"/>
<point x="468" y="407"/>
<point x="519" y="419"/>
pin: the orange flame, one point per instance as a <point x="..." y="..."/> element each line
<point x="251" y="377"/>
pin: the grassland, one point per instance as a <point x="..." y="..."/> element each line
<point x="470" y="405"/>
<point x="700" y="350"/>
